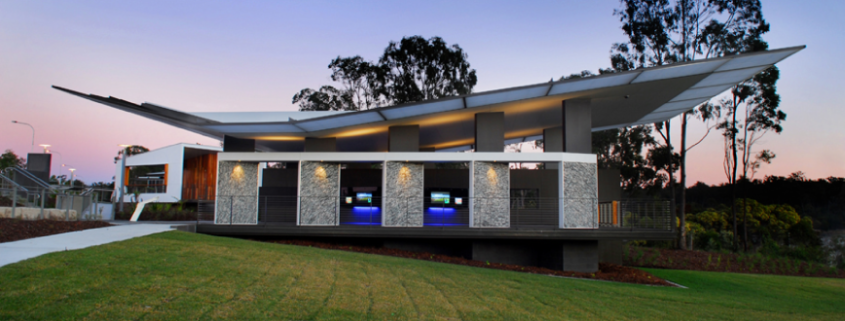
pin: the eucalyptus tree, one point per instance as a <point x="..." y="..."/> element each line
<point x="663" y="32"/>
<point x="411" y="70"/>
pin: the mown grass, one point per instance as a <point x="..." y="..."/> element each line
<point x="184" y="276"/>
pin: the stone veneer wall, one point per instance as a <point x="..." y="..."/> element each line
<point x="490" y="194"/>
<point x="403" y="194"/>
<point x="319" y="191"/>
<point x="237" y="193"/>
<point x="580" y="195"/>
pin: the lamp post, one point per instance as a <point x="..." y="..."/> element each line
<point x="45" y="147"/>
<point x="72" y="170"/>
<point x="61" y="162"/>
<point x="33" y="133"/>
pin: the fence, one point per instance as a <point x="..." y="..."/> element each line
<point x="643" y="214"/>
<point x="451" y="212"/>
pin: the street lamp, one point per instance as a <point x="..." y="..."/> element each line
<point x="61" y="161"/>
<point x="71" y="176"/>
<point x="45" y="147"/>
<point x="33" y="133"/>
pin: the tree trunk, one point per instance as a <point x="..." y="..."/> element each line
<point x="733" y="174"/>
<point x="671" y="175"/>
<point x="744" y="221"/>
<point x="682" y="214"/>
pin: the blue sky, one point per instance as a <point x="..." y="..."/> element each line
<point x="253" y="56"/>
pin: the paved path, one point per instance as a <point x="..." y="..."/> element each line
<point x="12" y="252"/>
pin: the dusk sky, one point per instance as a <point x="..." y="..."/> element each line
<point x="254" y="56"/>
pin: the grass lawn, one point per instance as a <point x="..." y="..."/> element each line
<point x="178" y="275"/>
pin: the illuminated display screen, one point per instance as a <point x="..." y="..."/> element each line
<point x="364" y="197"/>
<point x="440" y="197"/>
<point x="349" y="200"/>
<point x="459" y="200"/>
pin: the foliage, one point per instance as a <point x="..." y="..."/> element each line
<point x="775" y="230"/>
<point x="179" y="211"/>
<point x="414" y="69"/>
<point x="822" y="199"/>
<point x="661" y="32"/>
<point x="129" y="151"/>
<point x="10" y="159"/>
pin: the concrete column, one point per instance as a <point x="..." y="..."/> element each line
<point x="403" y="194"/>
<point x="577" y="126"/>
<point x="553" y="142"/>
<point x="313" y="144"/>
<point x="404" y="138"/>
<point x="237" y="193"/>
<point x="319" y="193"/>
<point x="234" y="144"/>
<point x="490" y="195"/>
<point x="490" y="132"/>
<point x="581" y="256"/>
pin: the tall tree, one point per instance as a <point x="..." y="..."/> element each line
<point x="413" y="69"/>
<point x="662" y="32"/>
<point x="751" y="112"/>
<point x="10" y="159"/>
<point x="423" y="69"/>
<point x="129" y="151"/>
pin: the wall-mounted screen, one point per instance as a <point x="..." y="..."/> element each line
<point x="364" y="197"/>
<point x="440" y="197"/>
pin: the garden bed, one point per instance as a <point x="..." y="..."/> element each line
<point x="725" y="262"/>
<point x="607" y="271"/>
<point x="15" y="229"/>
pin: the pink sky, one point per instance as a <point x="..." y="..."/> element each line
<point x="209" y="56"/>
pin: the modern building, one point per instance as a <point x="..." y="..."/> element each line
<point x="180" y="172"/>
<point x="395" y="176"/>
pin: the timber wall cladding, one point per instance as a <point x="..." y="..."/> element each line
<point x="199" y="177"/>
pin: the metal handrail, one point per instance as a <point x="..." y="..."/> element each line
<point x="523" y="213"/>
<point x="11" y="181"/>
<point x="27" y="174"/>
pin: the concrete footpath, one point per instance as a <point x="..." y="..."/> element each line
<point x="12" y="252"/>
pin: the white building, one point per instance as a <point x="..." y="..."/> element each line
<point x="180" y="172"/>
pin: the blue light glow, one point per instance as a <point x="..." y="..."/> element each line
<point x="364" y="215"/>
<point x="443" y="210"/>
<point x="365" y="209"/>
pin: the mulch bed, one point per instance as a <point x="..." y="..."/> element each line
<point x="725" y="262"/>
<point x="607" y="271"/>
<point x="7" y="202"/>
<point x="15" y="229"/>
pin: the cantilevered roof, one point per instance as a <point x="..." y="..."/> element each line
<point x="636" y="97"/>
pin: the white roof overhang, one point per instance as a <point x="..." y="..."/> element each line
<point x="636" y="97"/>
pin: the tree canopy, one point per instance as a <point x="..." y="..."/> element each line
<point x="411" y="70"/>
<point x="10" y="159"/>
